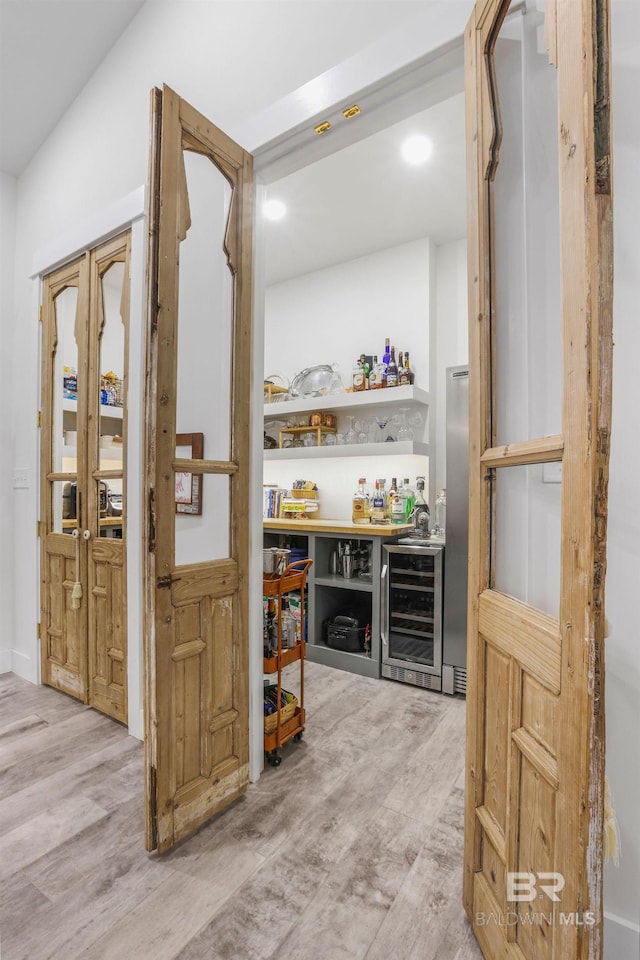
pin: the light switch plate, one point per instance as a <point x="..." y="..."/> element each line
<point x="21" y="478"/>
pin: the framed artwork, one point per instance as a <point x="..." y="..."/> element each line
<point x="188" y="486"/>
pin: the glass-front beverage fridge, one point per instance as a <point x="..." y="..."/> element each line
<point x="411" y="621"/>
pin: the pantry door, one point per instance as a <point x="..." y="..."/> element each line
<point x="63" y="563"/>
<point x="198" y="385"/>
<point x="540" y="293"/>
<point x="83" y="598"/>
<point x="106" y="515"/>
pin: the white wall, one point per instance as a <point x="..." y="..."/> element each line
<point x="334" y="315"/>
<point x="342" y="311"/>
<point x="8" y="196"/>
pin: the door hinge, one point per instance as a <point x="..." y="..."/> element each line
<point x="40" y="311"/>
<point x="166" y="581"/>
<point x="39" y="633"/>
<point x="39" y="418"/>
<point x="38" y="528"/>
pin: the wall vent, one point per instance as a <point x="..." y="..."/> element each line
<point x="460" y="680"/>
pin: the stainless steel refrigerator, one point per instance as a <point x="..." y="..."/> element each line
<point x="454" y="629"/>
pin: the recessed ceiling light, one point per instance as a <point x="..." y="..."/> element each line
<point x="417" y="149"/>
<point x="274" y="209"/>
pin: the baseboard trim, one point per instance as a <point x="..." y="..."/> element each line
<point x="621" y="938"/>
<point x="5" y="661"/>
<point x="24" y="666"/>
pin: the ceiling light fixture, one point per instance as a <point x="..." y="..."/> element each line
<point x="273" y="210"/>
<point x="417" y="149"/>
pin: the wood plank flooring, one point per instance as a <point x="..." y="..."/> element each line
<point x="351" y="849"/>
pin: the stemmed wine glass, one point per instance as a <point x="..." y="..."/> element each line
<point x="361" y="430"/>
<point x="404" y="430"/>
<point x="351" y="435"/>
<point x="382" y="419"/>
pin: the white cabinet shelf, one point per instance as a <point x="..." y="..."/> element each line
<point x="106" y="410"/>
<point x="396" y="448"/>
<point x="391" y="400"/>
<point x="391" y="397"/>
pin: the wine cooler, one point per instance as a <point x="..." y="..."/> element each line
<point x="411" y="622"/>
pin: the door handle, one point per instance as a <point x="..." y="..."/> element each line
<point x="86" y="534"/>
<point x="385" y="606"/>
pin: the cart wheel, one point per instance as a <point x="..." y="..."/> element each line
<point x="273" y="759"/>
<point x="298" y="736"/>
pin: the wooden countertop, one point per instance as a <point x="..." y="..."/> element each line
<point x="339" y="526"/>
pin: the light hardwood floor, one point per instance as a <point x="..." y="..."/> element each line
<point x="351" y="848"/>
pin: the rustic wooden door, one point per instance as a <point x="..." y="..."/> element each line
<point x="540" y="262"/>
<point x="198" y="421"/>
<point x="83" y="595"/>
<point x="106" y="472"/>
<point x="63" y="566"/>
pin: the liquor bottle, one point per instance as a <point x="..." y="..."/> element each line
<point x="399" y="506"/>
<point x="379" y="504"/>
<point x="287" y="625"/>
<point x="410" y="500"/>
<point x="366" y="370"/>
<point x="375" y="375"/>
<point x="360" y="505"/>
<point x="392" y="370"/>
<point x="272" y="627"/>
<point x="405" y="373"/>
<point x="393" y="489"/>
<point x="358" y="376"/>
<point x="400" y="365"/>
<point x="441" y="510"/>
<point x="420" y="512"/>
<point x="386" y="356"/>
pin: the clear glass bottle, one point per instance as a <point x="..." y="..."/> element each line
<point x="287" y="625"/>
<point x="379" y="504"/>
<point x="441" y="513"/>
<point x="360" y="505"/>
<point x="376" y="374"/>
<point x="393" y="489"/>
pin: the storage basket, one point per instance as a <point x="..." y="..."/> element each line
<point x="304" y="494"/>
<point x="286" y="713"/>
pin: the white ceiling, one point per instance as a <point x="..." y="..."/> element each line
<point x="365" y="197"/>
<point x="353" y="202"/>
<point x="48" y="51"/>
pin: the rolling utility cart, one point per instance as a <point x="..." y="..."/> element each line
<point x="287" y="720"/>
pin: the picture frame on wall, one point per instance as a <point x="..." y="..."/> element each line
<point x="188" y="486"/>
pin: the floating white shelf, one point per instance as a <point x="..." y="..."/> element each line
<point x="397" y="448"/>
<point x="391" y="397"/>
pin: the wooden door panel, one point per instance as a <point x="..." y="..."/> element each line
<point x="196" y="645"/>
<point x="535" y="737"/>
<point x="64" y="627"/>
<point x="64" y="631"/>
<point x="108" y="629"/>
